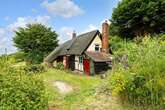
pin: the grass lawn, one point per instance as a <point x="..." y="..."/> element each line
<point x="83" y="89"/>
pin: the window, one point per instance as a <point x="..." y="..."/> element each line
<point x="97" y="47"/>
<point x="80" y="59"/>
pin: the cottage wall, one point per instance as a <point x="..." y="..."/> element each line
<point x="78" y="63"/>
<point x="97" y="41"/>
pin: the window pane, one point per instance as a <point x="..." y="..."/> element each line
<point x="97" y="48"/>
<point x="80" y="59"/>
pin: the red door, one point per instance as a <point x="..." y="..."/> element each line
<point x="86" y="64"/>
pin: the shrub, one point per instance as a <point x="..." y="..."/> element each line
<point x="37" y="68"/>
<point x="59" y="66"/>
<point x="6" y="62"/>
<point x="138" y="75"/>
<point x="18" y="56"/>
<point x="22" y="92"/>
<point x="19" y="91"/>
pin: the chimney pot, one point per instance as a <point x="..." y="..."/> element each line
<point x="74" y="34"/>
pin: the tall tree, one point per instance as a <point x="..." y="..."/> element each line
<point x="36" y="41"/>
<point x="138" y="17"/>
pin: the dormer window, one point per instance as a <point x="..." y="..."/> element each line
<point x="97" y="47"/>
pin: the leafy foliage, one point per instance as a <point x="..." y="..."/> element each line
<point x="60" y="66"/>
<point x="138" y="73"/>
<point x="116" y="43"/>
<point x="35" y="68"/>
<point x="5" y="62"/>
<point x="36" y="41"/>
<point x="138" y="17"/>
<point x="18" y="56"/>
<point x="19" y="91"/>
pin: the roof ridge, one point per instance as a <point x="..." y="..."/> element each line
<point x="74" y="39"/>
<point x="87" y="33"/>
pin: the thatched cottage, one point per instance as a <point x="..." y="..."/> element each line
<point x="88" y="53"/>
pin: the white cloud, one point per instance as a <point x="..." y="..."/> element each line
<point x="42" y="19"/>
<point x="2" y="31"/>
<point x="2" y="37"/>
<point x="118" y="0"/>
<point x="64" y="8"/>
<point x="67" y="30"/>
<point x="23" y="21"/>
<point x="65" y="34"/>
<point x="5" y="41"/>
<point x="90" y="27"/>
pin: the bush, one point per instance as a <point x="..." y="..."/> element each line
<point x="138" y="74"/>
<point x="59" y="66"/>
<point x="37" y="68"/>
<point x="22" y="92"/>
<point x="18" y="56"/>
<point x="19" y="91"/>
<point x="6" y="62"/>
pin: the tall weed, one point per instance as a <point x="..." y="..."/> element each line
<point x="139" y="72"/>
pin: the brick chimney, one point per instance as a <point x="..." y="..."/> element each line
<point x="105" y="35"/>
<point x="74" y="34"/>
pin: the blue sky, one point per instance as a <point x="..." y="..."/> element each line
<point x="63" y="16"/>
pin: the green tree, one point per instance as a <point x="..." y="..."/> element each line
<point x="36" y="41"/>
<point x="133" y="18"/>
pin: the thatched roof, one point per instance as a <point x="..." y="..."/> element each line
<point x="75" y="46"/>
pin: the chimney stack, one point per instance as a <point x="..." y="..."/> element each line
<point x="105" y="35"/>
<point x="74" y="34"/>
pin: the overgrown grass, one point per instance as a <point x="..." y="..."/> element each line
<point x="84" y="88"/>
<point x="138" y="72"/>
